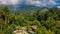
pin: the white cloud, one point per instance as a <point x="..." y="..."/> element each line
<point x="58" y="6"/>
<point x="9" y="2"/>
<point x="44" y="3"/>
<point x="51" y="2"/>
<point x="33" y="2"/>
<point x="40" y="3"/>
<point x="2" y="2"/>
<point x="14" y="1"/>
<point x="28" y="2"/>
<point x="48" y="2"/>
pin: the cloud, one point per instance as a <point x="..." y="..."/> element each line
<point x="33" y="2"/>
<point x="28" y="2"/>
<point x="9" y="2"/>
<point x="40" y="2"/>
<point x="48" y="2"/>
<point x="14" y="1"/>
<point x="2" y="2"/>
<point x="58" y="6"/>
<point x="44" y="2"/>
<point x="51" y="2"/>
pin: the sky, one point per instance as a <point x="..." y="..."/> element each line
<point x="44" y="3"/>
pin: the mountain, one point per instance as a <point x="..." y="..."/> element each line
<point x="25" y="8"/>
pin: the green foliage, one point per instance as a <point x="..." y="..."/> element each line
<point x="47" y="22"/>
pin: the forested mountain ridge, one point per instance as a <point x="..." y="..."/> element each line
<point x="24" y="8"/>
